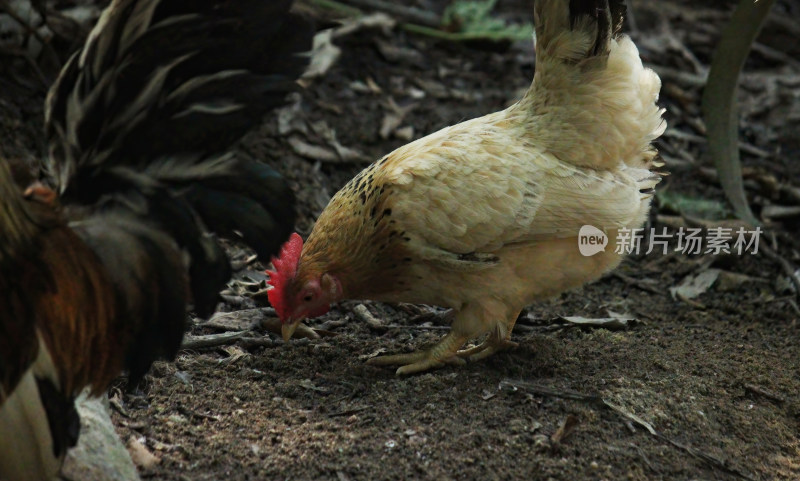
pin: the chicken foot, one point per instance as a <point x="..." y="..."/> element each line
<point x="444" y="352"/>
<point x="485" y="349"/>
<point x="499" y="340"/>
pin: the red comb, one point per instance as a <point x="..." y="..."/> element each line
<point x="285" y="269"/>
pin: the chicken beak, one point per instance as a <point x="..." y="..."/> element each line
<point x="287" y="330"/>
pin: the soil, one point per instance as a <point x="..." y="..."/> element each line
<point x="716" y="377"/>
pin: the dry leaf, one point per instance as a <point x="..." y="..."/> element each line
<point x="141" y="456"/>
<point x="394" y="117"/>
<point x="564" y="430"/>
<point x="610" y="323"/>
<point x="244" y="320"/>
<point x="324" y="54"/>
<point x="235" y="353"/>
<point x="693" y="285"/>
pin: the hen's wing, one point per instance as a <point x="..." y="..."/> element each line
<point x="476" y="188"/>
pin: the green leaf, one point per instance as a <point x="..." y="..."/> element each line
<point x="719" y="100"/>
<point x="692" y="206"/>
<point x="473" y="18"/>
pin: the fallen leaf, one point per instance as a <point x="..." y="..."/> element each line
<point x="307" y="384"/>
<point x="373" y="86"/>
<point x="310" y="151"/>
<point x="688" y="205"/>
<point x="564" y="430"/>
<point x="375" y="353"/>
<point x="244" y="320"/>
<point x="780" y="211"/>
<point x="235" y="353"/>
<point x="693" y="285"/>
<point x="394" y="117"/>
<point x="377" y="20"/>
<point x="324" y="54"/>
<point x="141" y="456"/>
<point x="610" y="323"/>
<point x="396" y="54"/>
<point x="729" y="281"/>
<point x="405" y="133"/>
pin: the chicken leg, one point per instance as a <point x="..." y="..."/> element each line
<point x="444" y="352"/>
<point x="469" y="323"/>
<point x="499" y="340"/>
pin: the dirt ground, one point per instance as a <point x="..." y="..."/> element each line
<point x="716" y="377"/>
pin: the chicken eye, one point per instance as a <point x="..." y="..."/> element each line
<point x="308" y="297"/>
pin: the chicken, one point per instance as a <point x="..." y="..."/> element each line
<point x="100" y="265"/>
<point x="483" y="216"/>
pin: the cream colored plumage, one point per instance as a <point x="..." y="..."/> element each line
<point x="484" y="216"/>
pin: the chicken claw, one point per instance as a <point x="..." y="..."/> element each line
<point x="444" y="352"/>
<point x="274" y="325"/>
<point x="486" y="349"/>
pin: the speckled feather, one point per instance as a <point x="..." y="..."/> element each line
<point x="576" y="150"/>
<point x="483" y="216"/>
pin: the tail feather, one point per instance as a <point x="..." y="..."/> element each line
<point x="189" y="77"/>
<point x="234" y="206"/>
<point x="139" y="123"/>
<point x="592" y="101"/>
<point x="151" y="287"/>
<point x="609" y="15"/>
<point x="142" y="117"/>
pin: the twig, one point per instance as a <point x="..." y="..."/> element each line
<point x="194" y="414"/>
<point x="600" y="401"/>
<point x="425" y="26"/>
<point x="787" y="266"/>
<point x="775" y="55"/>
<point x="644" y="457"/>
<point x="238" y="301"/>
<point x="795" y="308"/>
<point x="339" y="7"/>
<point x="440" y="317"/>
<point x="698" y="139"/>
<point x="687" y="79"/>
<point x="253" y="342"/>
<point x="14" y="52"/>
<point x="332" y="324"/>
<point x="763" y="392"/>
<point x="638" y="283"/>
<point x="520" y="327"/>
<point x="421" y="328"/>
<point x="564" y="430"/>
<point x="348" y="412"/>
<point x="211" y="340"/>
<point x="697" y="305"/>
<point x="410" y="14"/>
<point x="30" y="29"/>
<point x="241" y="264"/>
<point x="546" y="391"/>
<point x="786" y="22"/>
<point x="363" y="314"/>
<point x="454" y="36"/>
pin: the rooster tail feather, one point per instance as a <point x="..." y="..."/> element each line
<point x="160" y="78"/>
<point x="151" y="290"/>
<point x="141" y="120"/>
<point x="234" y="205"/>
<point x="592" y="103"/>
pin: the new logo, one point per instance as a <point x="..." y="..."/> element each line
<point x="591" y="240"/>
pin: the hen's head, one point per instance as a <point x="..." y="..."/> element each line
<point x="296" y="295"/>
